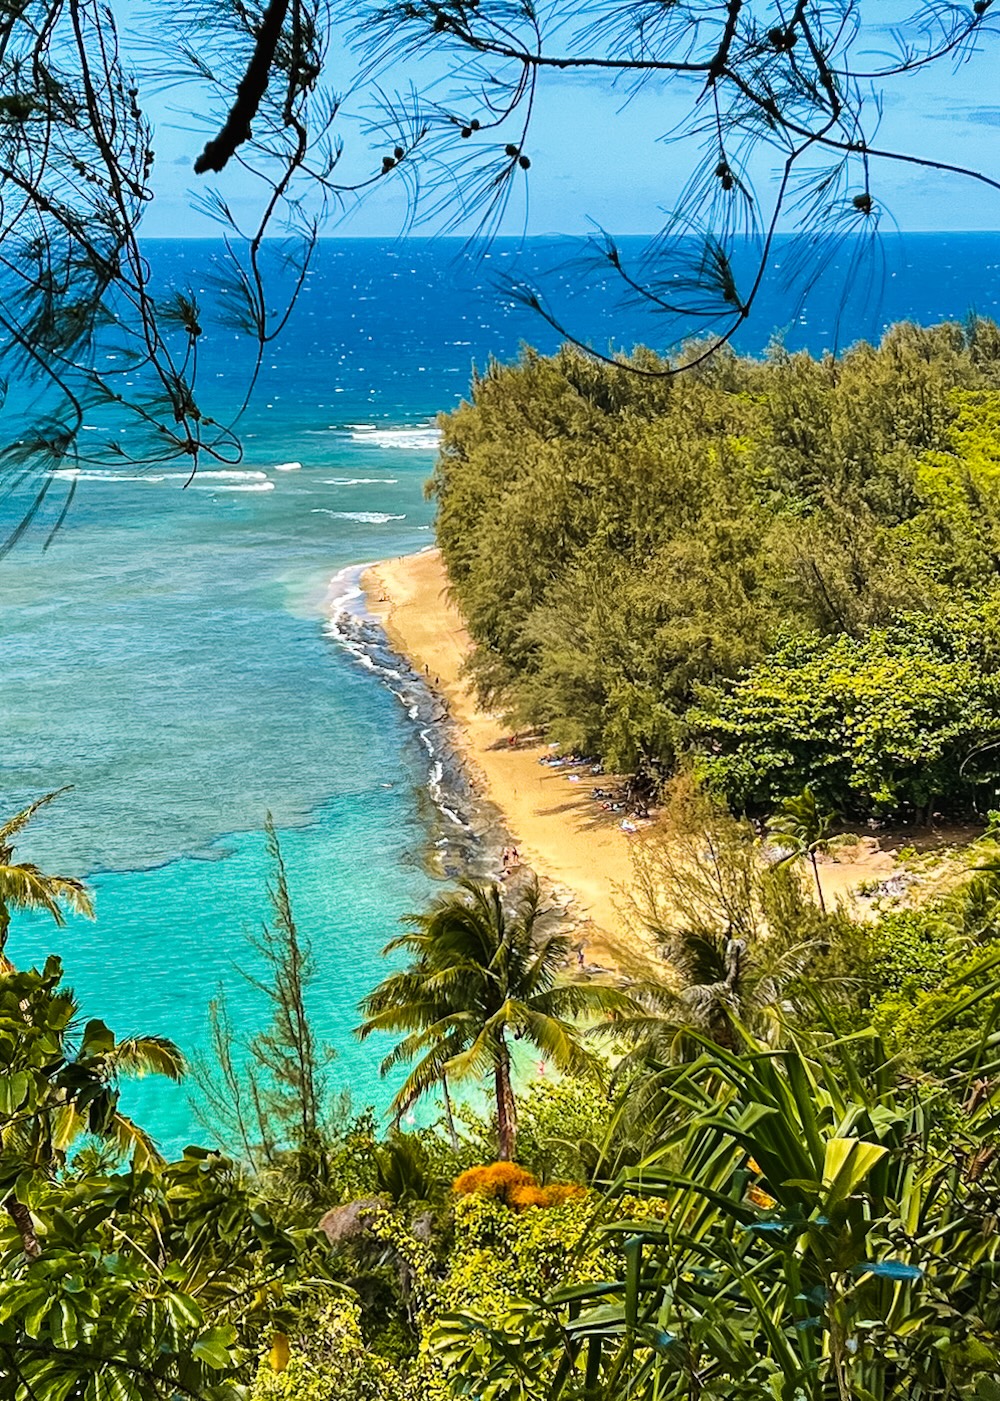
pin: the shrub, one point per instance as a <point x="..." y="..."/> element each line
<point x="514" y="1186"/>
<point x="495" y="1180"/>
<point x="330" y="1361"/>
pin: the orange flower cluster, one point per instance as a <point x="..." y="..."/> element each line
<point x="512" y="1185"/>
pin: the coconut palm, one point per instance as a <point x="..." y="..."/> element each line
<point x="24" y="886"/>
<point x="717" y="986"/>
<point x="132" y="1058"/>
<point x="481" y="975"/>
<point x="410" y="1002"/>
<point x="806" y="826"/>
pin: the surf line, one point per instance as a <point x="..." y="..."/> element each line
<point x="469" y="835"/>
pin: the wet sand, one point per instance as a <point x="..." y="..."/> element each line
<point x="559" y="830"/>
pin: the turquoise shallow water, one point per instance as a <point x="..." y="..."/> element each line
<point x="170" y="658"/>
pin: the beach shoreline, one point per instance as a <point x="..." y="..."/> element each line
<point x="578" y="851"/>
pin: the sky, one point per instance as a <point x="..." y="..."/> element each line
<point x="599" y="157"/>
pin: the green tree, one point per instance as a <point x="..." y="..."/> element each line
<point x="803" y="822"/>
<point x="733" y="937"/>
<point x="269" y="1092"/>
<point x="24" y="886"/>
<point x="480" y="975"/>
<point x="57" y="1082"/>
<point x="898" y="719"/>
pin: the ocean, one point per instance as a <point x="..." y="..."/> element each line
<point x="171" y="656"/>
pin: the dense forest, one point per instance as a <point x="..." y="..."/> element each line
<point x="784" y="569"/>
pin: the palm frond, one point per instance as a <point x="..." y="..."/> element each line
<point x="20" y="820"/>
<point x="137" y="1056"/>
<point x="26" y="887"/>
<point x="133" y="1142"/>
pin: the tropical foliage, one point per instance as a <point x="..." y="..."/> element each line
<point x="120" y="1275"/>
<point x="785" y="1184"/>
<point x="23" y="886"/>
<point x="824" y="1233"/>
<point x="481" y="975"/>
<point x="787" y="566"/>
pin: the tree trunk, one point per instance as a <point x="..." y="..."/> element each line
<point x="449" y="1117"/>
<point x="819" y="888"/>
<point x="21" y="1217"/>
<point x="506" y="1108"/>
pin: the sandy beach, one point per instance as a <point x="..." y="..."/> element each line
<point x="559" y="830"/>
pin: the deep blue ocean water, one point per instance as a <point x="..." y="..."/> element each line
<point x="169" y="655"/>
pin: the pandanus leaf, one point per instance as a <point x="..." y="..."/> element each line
<point x="847" y="1163"/>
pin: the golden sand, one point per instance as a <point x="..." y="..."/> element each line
<point x="558" y="829"/>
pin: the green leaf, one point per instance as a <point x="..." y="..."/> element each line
<point x="847" y="1163"/>
<point x="184" y="1311"/>
<point x="97" y="1039"/>
<point x="62" y="1322"/>
<point x="213" y="1348"/>
<point x="34" y="1316"/>
<point x="13" y="1092"/>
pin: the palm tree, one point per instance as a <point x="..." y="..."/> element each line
<point x="409" y="1001"/>
<point x="720" y="987"/>
<point x="479" y="976"/>
<point x="24" y="887"/>
<point x="802" y="822"/>
<point x="41" y="1138"/>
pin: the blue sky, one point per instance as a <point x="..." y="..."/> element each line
<point x="598" y="158"/>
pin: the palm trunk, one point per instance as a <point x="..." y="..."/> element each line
<point x="449" y="1117"/>
<point x="21" y="1217"/>
<point x="506" y="1108"/>
<point x="819" y="888"/>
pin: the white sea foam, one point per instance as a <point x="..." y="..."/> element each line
<point x="248" y="481"/>
<point x="344" y="589"/>
<point x="360" y="481"/>
<point x="288" y="467"/>
<point x="365" y="517"/>
<point x="422" y="438"/>
<point x="232" y="486"/>
<point x="227" y="474"/>
<point x="96" y="474"/>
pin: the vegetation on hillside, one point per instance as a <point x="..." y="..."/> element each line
<point x="785" y="569"/>
<point x="770" y="1169"/>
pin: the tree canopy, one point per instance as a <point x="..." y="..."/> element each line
<point x="785" y="567"/>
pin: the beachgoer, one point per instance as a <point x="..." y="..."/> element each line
<point x="515" y="858"/>
<point x="579" y="956"/>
